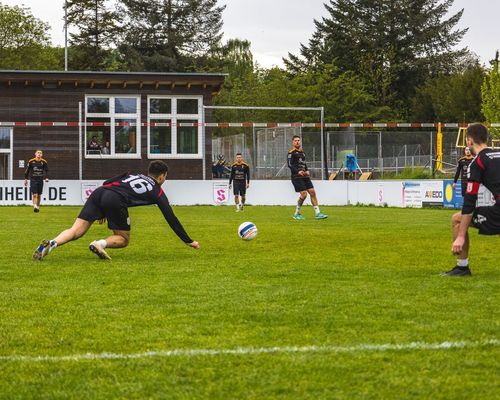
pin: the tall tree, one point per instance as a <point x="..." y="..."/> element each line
<point x="25" y="41"/>
<point x="170" y="35"/>
<point x="491" y="95"/>
<point x="97" y="29"/>
<point x="393" y="45"/>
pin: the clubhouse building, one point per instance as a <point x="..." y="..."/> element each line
<point x="93" y="125"/>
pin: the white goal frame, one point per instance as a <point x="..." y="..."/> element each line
<point x="324" y="169"/>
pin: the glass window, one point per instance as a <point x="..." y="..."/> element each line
<point x="98" y="105"/>
<point x="187" y="137"/>
<point x="187" y="106"/>
<point x="160" y="140"/>
<point x="4" y="138"/>
<point x="160" y="106"/>
<point x="125" y="105"/>
<point x="125" y="136"/>
<point x="98" y="135"/>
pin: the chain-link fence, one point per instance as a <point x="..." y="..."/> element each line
<point x="382" y="152"/>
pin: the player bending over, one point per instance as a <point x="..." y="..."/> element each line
<point x="111" y="201"/>
<point x="240" y="177"/>
<point x="301" y="179"/>
<point x="484" y="169"/>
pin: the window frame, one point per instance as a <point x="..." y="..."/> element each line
<point x="174" y="117"/>
<point x="113" y="116"/>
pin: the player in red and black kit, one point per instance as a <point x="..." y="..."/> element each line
<point x="111" y="201"/>
<point x="462" y="167"/>
<point x="240" y="178"/>
<point x="485" y="170"/>
<point x="301" y="179"/>
<point x="36" y="171"/>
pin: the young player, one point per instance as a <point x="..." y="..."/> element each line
<point x="111" y="201"/>
<point x="36" y="171"/>
<point x="463" y="165"/>
<point x="301" y="179"/>
<point x="240" y="174"/>
<point x="484" y="169"/>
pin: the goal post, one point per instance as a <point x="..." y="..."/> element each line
<point x="321" y="110"/>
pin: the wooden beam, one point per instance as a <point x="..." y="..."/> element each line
<point x="204" y="85"/>
<point x="172" y="86"/>
<point x="76" y="83"/>
<point x="124" y="84"/>
<point x="157" y="85"/>
<point x="92" y="84"/>
<point x="189" y="85"/>
<point x="141" y="84"/>
<point x="9" y="83"/>
<point x="26" y="83"/>
<point x="43" y="84"/>
<point x="59" y="83"/>
<point x="108" y="85"/>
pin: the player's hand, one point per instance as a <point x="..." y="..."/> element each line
<point x="248" y="185"/>
<point x="454" y="185"/>
<point x="306" y="173"/>
<point x="46" y="179"/>
<point x="25" y="182"/>
<point x="457" y="246"/>
<point x="194" y="245"/>
<point x="301" y="173"/>
<point x="230" y="187"/>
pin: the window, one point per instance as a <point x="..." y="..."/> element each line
<point x="6" y="150"/>
<point x="112" y="127"/>
<point x="174" y="127"/>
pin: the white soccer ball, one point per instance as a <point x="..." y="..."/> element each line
<point x="247" y="231"/>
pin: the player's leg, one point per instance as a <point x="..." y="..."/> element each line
<point x="462" y="267"/>
<point x="79" y="228"/>
<point x="117" y="240"/>
<point x="116" y="213"/>
<point x="314" y="201"/>
<point x="236" y="193"/>
<point x="300" y="202"/>
<point x="243" y="192"/>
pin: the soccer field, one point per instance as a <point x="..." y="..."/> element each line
<point x="352" y="307"/>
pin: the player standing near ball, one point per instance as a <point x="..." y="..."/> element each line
<point x="301" y="179"/>
<point x="111" y="201"/>
<point x="240" y="175"/>
<point x="462" y="167"/>
<point x="484" y="169"/>
<point x="37" y="172"/>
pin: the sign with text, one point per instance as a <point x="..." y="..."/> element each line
<point x="221" y="193"/>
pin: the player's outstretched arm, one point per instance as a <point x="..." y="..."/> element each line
<point x="174" y="223"/>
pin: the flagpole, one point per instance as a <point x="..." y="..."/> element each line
<point x="65" y="35"/>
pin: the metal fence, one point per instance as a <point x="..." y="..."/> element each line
<point x="387" y="151"/>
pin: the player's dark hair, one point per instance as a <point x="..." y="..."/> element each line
<point x="157" y="168"/>
<point x="238" y="154"/>
<point x="295" y="136"/>
<point x="478" y="133"/>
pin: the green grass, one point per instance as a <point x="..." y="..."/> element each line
<point x="364" y="276"/>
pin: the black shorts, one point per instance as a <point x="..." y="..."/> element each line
<point x="36" y="186"/>
<point x="487" y="220"/>
<point x="301" y="184"/>
<point x="104" y="203"/>
<point x="239" y="188"/>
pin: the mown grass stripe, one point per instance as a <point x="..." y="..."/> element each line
<point x="255" y="351"/>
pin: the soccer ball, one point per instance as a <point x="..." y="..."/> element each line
<point x="247" y="231"/>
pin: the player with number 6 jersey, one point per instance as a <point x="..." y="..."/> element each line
<point x="111" y="201"/>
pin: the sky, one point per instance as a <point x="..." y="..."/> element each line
<point x="277" y="27"/>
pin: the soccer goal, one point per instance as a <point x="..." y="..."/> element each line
<point x="265" y="144"/>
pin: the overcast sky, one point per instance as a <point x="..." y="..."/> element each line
<point x="276" y="27"/>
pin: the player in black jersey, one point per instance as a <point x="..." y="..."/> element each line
<point x="111" y="201"/>
<point x="484" y="169"/>
<point x="36" y="171"/>
<point x="301" y="179"/>
<point x="463" y="165"/>
<point x="240" y="178"/>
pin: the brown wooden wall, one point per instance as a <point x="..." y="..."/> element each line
<point x="21" y="102"/>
